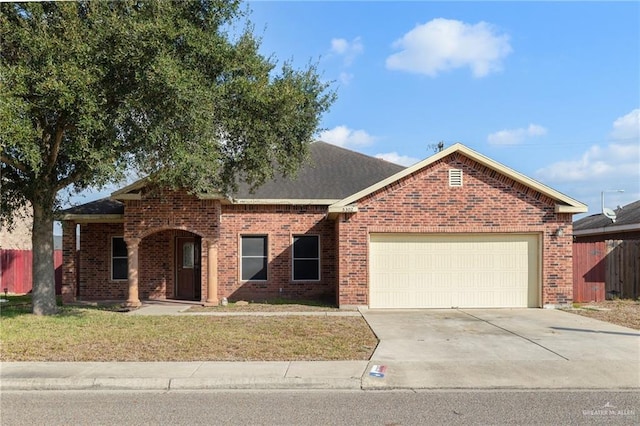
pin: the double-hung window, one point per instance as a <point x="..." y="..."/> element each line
<point x="254" y="258"/>
<point x="119" y="263"/>
<point x="306" y="258"/>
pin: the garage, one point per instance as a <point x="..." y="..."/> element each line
<point x="454" y="270"/>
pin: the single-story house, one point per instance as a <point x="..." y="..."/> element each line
<point x="606" y="255"/>
<point x="454" y="230"/>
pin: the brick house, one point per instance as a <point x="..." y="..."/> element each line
<point x="456" y="229"/>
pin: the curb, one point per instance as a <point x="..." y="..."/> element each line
<point x="143" y="384"/>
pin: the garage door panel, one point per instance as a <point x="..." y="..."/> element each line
<point x="443" y="271"/>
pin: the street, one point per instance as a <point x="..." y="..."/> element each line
<point x="324" y="407"/>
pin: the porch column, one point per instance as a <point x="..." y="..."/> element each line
<point x="212" y="274"/>
<point x="132" y="261"/>
<point x="69" y="262"/>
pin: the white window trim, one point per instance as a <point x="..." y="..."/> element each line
<point x="293" y="258"/>
<point x="112" y="257"/>
<point x="241" y="257"/>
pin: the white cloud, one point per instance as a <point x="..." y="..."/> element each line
<point x="347" y="49"/>
<point x="627" y="127"/>
<point x="515" y="136"/>
<point x="344" y="136"/>
<point x="445" y="44"/>
<point x="615" y="165"/>
<point x="394" y="157"/>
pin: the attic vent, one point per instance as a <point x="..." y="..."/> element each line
<point x="455" y="177"/>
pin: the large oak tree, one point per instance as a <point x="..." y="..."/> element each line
<point x="175" y="90"/>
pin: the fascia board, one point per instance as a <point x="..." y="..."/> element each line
<point x="607" y="230"/>
<point x="285" y="201"/>
<point x="93" y="218"/>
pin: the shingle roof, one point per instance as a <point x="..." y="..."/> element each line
<point x="331" y="173"/>
<point x="99" y="207"/>
<point x="627" y="215"/>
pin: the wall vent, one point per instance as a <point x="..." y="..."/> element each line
<point x="455" y="177"/>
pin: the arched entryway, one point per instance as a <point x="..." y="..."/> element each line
<point x="171" y="265"/>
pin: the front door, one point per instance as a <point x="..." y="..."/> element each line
<point x="188" y="268"/>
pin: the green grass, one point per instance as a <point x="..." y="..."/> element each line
<point x="101" y="334"/>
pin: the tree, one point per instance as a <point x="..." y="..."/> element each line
<point x="92" y="89"/>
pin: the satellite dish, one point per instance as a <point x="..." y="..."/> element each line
<point x="610" y="214"/>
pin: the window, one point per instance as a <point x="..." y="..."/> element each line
<point x="119" y="268"/>
<point x="254" y="258"/>
<point x="306" y="257"/>
<point x="188" y="255"/>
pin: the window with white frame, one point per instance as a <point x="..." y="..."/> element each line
<point x="253" y="258"/>
<point x="306" y="258"/>
<point x="119" y="262"/>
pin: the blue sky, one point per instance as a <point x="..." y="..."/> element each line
<point x="550" y="89"/>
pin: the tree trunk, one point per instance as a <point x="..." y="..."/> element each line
<point x="44" y="284"/>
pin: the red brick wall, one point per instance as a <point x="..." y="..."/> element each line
<point x="424" y="203"/>
<point x="95" y="262"/>
<point x="156" y="263"/>
<point x="159" y="220"/>
<point x="171" y="210"/>
<point x="280" y="224"/>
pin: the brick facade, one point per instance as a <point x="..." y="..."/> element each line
<point x="425" y="203"/>
<point x="280" y="224"/>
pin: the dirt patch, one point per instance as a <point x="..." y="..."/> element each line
<point x="621" y="312"/>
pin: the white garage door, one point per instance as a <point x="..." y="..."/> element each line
<point x="461" y="270"/>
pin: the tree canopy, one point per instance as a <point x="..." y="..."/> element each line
<point x="89" y="90"/>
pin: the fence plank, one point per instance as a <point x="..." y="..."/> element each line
<point x="589" y="271"/>
<point x="16" y="270"/>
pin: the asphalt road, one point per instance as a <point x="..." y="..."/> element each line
<point x="389" y="408"/>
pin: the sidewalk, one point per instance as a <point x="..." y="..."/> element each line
<point x="181" y="375"/>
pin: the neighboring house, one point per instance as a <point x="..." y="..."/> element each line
<point x="18" y="237"/>
<point x="16" y="257"/>
<point x="457" y="229"/>
<point x="607" y="255"/>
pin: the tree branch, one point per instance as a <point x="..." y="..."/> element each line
<point x="64" y="182"/>
<point x="55" y="149"/>
<point x="13" y="163"/>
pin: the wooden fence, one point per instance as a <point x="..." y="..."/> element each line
<point x="16" y="271"/>
<point x="623" y="268"/>
<point x="606" y="269"/>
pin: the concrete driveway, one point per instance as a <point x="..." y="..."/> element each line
<point x="495" y="348"/>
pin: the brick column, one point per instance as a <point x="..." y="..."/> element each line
<point x="69" y="264"/>
<point x="133" y="299"/>
<point x="212" y="274"/>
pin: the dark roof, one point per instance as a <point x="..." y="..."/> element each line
<point x="332" y="173"/>
<point x="627" y="215"/>
<point x="102" y="206"/>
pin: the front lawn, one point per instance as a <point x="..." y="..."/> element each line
<point x="103" y="334"/>
<point x="625" y="312"/>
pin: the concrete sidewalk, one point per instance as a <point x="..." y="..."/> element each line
<point x="181" y="375"/>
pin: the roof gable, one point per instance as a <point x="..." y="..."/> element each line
<point x="564" y="204"/>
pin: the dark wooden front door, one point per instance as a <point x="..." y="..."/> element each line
<point x="188" y="268"/>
